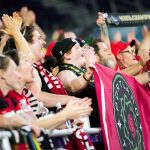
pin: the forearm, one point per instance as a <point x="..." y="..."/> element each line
<point x="51" y="122"/>
<point x="14" y="121"/>
<point x="104" y="35"/>
<point x="143" y="78"/>
<point x="77" y="85"/>
<point x="50" y="100"/>
<point x="5" y="122"/>
<point x="22" y="45"/>
<point x="133" y="70"/>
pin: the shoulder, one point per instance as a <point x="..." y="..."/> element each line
<point x="66" y="74"/>
<point x="66" y="77"/>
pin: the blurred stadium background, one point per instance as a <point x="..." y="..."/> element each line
<point x="75" y="15"/>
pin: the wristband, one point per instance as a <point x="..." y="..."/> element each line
<point x="85" y="78"/>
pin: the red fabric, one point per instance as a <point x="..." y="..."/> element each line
<point x="147" y="86"/>
<point x="137" y="57"/>
<point x="49" y="48"/>
<point x="124" y="108"/>
<point x="117" y="68"/>
<point x="7" y="104"/>
<point x="79" y="141"/>
<point x="19" y="146"/>
<point x="53" y="83"/>
<point x="18" y="97"/>
<point x="148" y="65"/>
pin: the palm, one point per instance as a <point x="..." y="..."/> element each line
<point x="17" y="19"/>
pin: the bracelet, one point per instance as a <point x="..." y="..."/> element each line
<point x="85" y="78"/>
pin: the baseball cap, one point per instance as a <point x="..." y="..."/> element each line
<point x="81" y="42"/>
<point x="62" y="46"/>
<point x="120" y="46"/>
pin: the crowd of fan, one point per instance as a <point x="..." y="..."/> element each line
<point x="63" y="74"/>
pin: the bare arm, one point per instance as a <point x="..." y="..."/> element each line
<point x="143" y="78"/>
<point x="74" y="109"/>
<point x="75" y="84"/>
<point x="14" y="121"/>
<point x="133" y="70"/>
<point x="48" y="99"/>
<point x="145" y="44"/>
<point x="104" y="35"/>
<point x="12" y="28"/>
<point x="72" y="83"/>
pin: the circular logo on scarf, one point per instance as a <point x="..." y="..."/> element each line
<point x="126" y="115"/>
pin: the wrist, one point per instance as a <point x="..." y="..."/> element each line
<point x="87" y="76"/>
<point x="142" y="63"/>
<point x="65" y="114"/>
<point x="102" y="26"/>
<point x="16" y="34"/>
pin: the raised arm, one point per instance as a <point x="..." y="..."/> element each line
<point x="145" y="44"/>
<point x="73" y="83"/>
<point x="12" y="29"/>
<point x="104" y="35"/>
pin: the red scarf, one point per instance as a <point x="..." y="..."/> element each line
<point x="53" y="83"/>
<point x="79" y="140"/>
<point x="8" y="103"/>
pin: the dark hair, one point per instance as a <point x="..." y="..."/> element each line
<point x="11" y="51"/>
<point x="13" y="54"/>
<point x="4" y="62"/>
<point x="49" y="62"/>
<point x="27" y="32"/>
<point x="1" y="34"/>
<point x="10" y="44"/>
<point x="95" y="46"/>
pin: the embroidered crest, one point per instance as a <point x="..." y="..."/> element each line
<point x="126" y="115"/>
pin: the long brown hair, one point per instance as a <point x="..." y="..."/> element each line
<point x="27" y="32"/>
<point x="4" y="62"/>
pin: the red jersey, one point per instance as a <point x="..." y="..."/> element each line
<point x="7" y="103"/>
